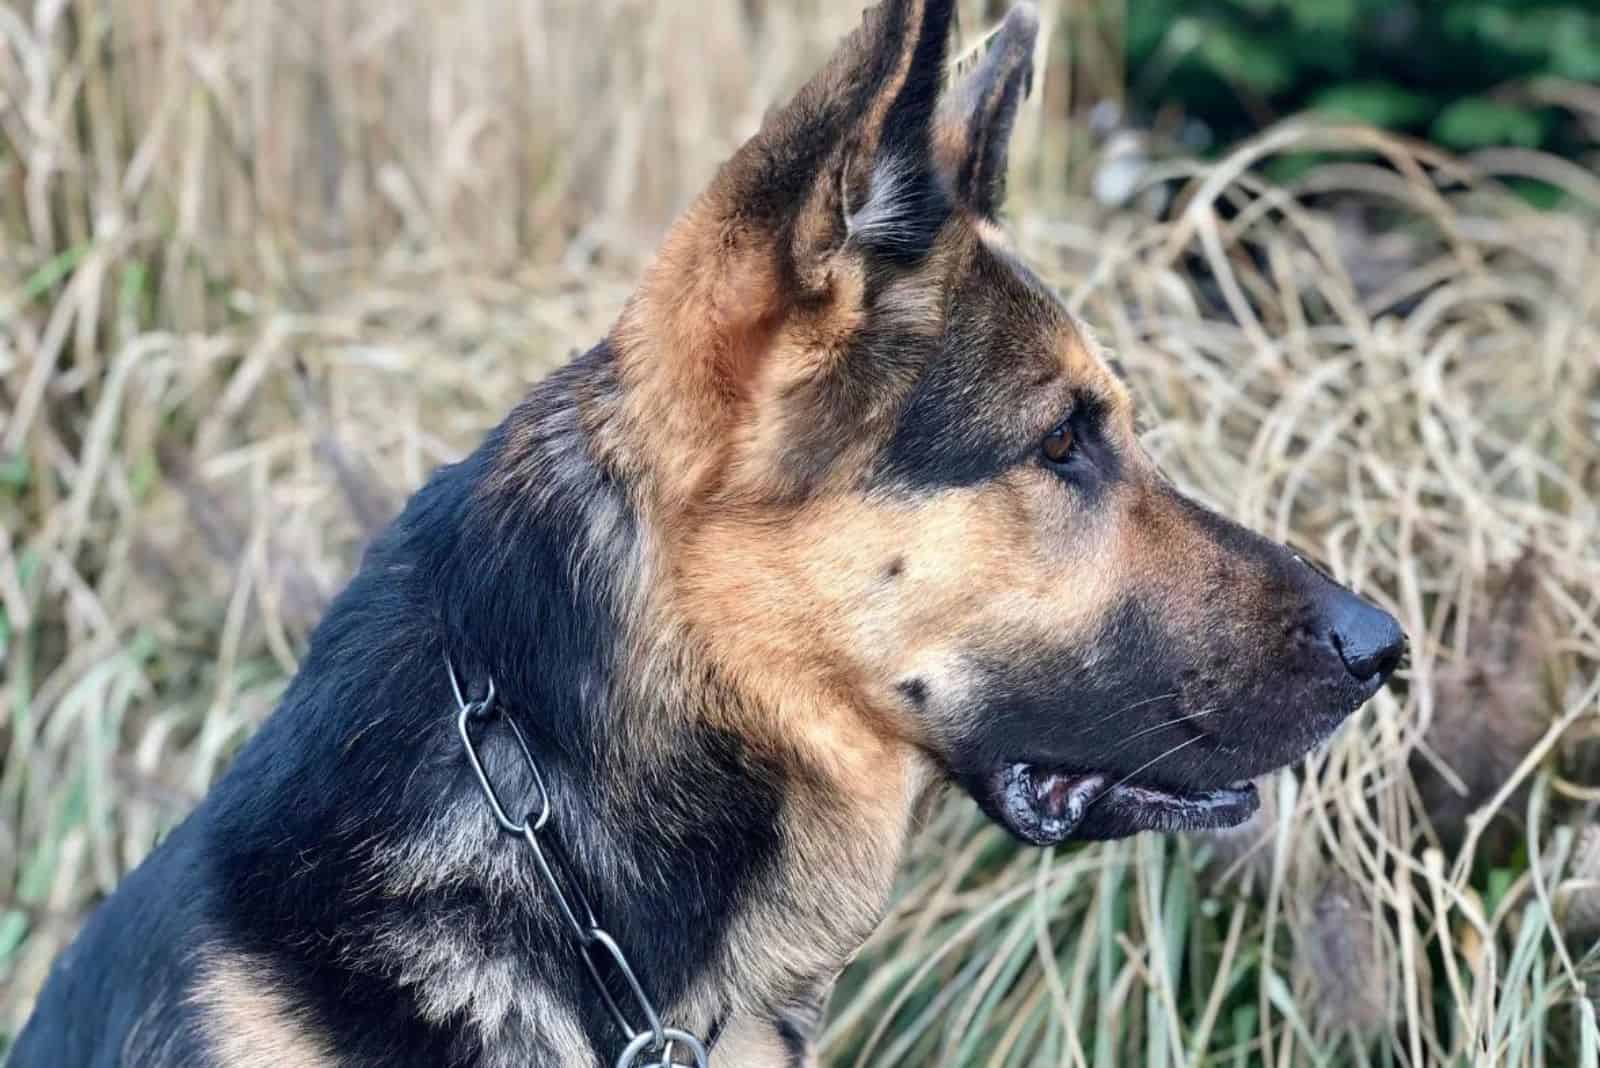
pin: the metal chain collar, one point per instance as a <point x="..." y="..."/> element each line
<point x="593" y="940"/>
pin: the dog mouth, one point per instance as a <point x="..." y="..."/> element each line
<point x="1045" y="805"/>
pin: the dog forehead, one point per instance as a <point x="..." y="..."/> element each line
<point x="1013" y="362"/>
<point x="1057" y="345"/>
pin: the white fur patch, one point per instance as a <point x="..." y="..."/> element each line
<point x="512" y="1017"/>
<point x="885" y="220"/>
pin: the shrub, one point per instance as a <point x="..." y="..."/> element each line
<point x="1446" y="71"/>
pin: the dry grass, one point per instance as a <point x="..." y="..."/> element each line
<point x="264" y="264"/>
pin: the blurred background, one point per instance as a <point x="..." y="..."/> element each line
<point x="265" y="263"/>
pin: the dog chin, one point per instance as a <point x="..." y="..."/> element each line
<point x="1044" y="805"/>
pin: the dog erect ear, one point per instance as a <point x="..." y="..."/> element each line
<point x="973" y="131"/>
<point x="839" y="179"/>
<point x="850" y="158"/>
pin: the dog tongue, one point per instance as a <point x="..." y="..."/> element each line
<point x="1044" y="806"/>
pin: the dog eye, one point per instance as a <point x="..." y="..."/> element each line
<point x="1057" y="445"/>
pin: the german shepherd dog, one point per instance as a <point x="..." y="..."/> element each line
<point x="845" y="508"/>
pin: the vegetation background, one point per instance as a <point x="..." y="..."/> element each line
<point x="265" y="263"/>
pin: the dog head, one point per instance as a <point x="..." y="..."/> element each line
<point x="902" y="498"/>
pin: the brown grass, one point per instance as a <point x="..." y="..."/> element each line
<point x="264" y="263"/>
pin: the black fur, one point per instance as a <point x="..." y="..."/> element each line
<point x="780" y="172"/>
<point x="362" y="753"/>
<point x="958" y="427"/>
<point x="349" y="857"/>
<point x="985" y="105"/>
<point x="1141" y="685"/>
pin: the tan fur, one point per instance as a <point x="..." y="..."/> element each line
<point x="951" y="139"/>
<point x="712" y="295"/>
<point x="793" y="596"/>
<point x="848" y="636"/>
<point x="790" y="601"/>
<point x="708" y="308"/>
<point x="801" y="614"/>
<point x="872" y="121"/>
<point x="813" y="607"/>
<point x="247" y="1023"/>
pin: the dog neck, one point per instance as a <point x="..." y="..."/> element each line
<point x="732" y="886"/>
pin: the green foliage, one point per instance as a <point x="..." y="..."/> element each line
<point x="1375" y="102"/>
<point x="1476" y="121"/>
<point x="1445" y="71"/>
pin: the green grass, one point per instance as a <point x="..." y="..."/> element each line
<point x="264" y="264"/>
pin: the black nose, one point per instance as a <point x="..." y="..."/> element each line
<point x="1367" y="638"/>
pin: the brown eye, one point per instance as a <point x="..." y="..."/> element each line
<point x="1058" y="445"/>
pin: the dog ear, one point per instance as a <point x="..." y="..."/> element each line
<point x="850" y="158"/>
<point x="973" y="130"/>
<point x="838" y="180"/>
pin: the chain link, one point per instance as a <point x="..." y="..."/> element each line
<point x="594" y="942"/>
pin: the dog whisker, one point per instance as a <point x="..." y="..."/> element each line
<point x="1154" y="727"/>
<point x="1164" y="724"/>
<point x="1147" y="765"/>
<point x="1125" y="709"/>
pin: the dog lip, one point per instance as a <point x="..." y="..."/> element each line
<point x="1129" y="808"/>
<point x="1045" y="805"/>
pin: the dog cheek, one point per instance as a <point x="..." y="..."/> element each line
<point x="938" y="693"/>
